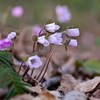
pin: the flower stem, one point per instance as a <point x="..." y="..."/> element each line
<point x="49" y="58"/>
<point x="44" y="64"/>
<point x="26" y="71"/>
<point x="20" y="67"/>
<point x="41" y="31"/>
<point x="31" y="74"/>
<point x="34" y="46"/>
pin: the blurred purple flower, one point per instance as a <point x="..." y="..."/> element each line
<point x="11" y="35"/>
<point x="37" y="30"/>
<point x="17" y="11"/>
<point x="52" y="27"/>
<point x="43" y="41"/>
<point x="73" y="43"/>
<point x="73" y="32"/>
<point x="63" y="14"/>
<point x="55" y="39"/>
<point x="34" y="62"/>
<point x="5" y="43"/>
<point x="2" y="46"/>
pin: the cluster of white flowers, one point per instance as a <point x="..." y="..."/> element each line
<point x="54" y="38"/>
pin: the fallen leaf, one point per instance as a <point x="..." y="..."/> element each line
<point x="89" y="85"/>
<point x="68" y="67"/>
<point x="96" y="94"/>
<point x="46" y="96"/>
<point x="23" y="97"/>
<point x="37" y="89"/>
<point x="92" y="98"/>
<point x="75" y="95"/>
<point x="68" y="83"/>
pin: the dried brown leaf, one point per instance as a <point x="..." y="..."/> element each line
<point x="75" y="95"/>
<point x="89" y="85"/>
<point x="23" y="97"/>
<point x="46" y="95"/>
<point x="92" y="98"/>
<point x="96" y="94"/>
<point x="68" y="83"/>
<point x="37" y="89"/>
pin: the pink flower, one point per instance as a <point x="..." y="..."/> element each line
<point x="55" y="39"/>
<point x="73" y="43"/>
<point x="37" y="30"/>
<point x="52" y="27"/>
<point x="43" y="41"/>
<point x="2" y="46"/>
<point x="11" y="35"/>
<point x="34" y="62"/>
<point x="73" y="32"/>
<point x="63" y="14"/>
<point x="5" y="43"/>
<point x="17" y="11"/>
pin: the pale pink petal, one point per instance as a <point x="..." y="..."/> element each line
<point x="11" y="35"/>
<point x="73" y="32"/>
<point x="52" y="27"/>
<point x="73" y="43"/>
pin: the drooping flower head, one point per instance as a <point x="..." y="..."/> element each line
<point x="37" y="30"/>
<point x="63" y="14"/>
<point x="52" y="27"/>
<point x="55" y="39"/>
<point x="11" y="35"/>
<point x="73" y="32"/>
<point x="73" y="43"/>
<point x="34" y="62"/>
<point x="43" y="41"/>
<point x="17" y="11"/>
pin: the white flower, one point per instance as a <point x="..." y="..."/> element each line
<point x="63" y="14"/>
<point x="52" y="27"/>
<point x="11" y="35"/>
<point x="73" y="32"/>
<point x="34" y="62"/>
<point x="55" y="38"/>
<point x="43" y="41"/>
<point x="73" y="43"/>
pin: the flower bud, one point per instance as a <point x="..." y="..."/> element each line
<point x="11" y="35"/>
<point x="73" y="32"/>
<point x="52" y="27"/>
<point x="73" y="43"/>
<point x="43" y="41"/>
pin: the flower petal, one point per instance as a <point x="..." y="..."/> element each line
<point x="73" y="43"/>
<point x="73" y="32"/>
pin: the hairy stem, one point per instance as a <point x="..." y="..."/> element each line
<point x="20" y="67"/>
<point x="31" y="74"/>
<point x="49" y="58"/>
<point x="26" y="71"/>
<point x="44" y="64"/>
<point x="34" y="47"/>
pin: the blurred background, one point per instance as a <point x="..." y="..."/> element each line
<point x="85" y="16"/>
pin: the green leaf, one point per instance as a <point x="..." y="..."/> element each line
<point x="93" y="65"/>
<point x="49" y="21"/>
<point x="9" y="78"/>
<point x="34" y="38"/>
<point x="40" y="46"/>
